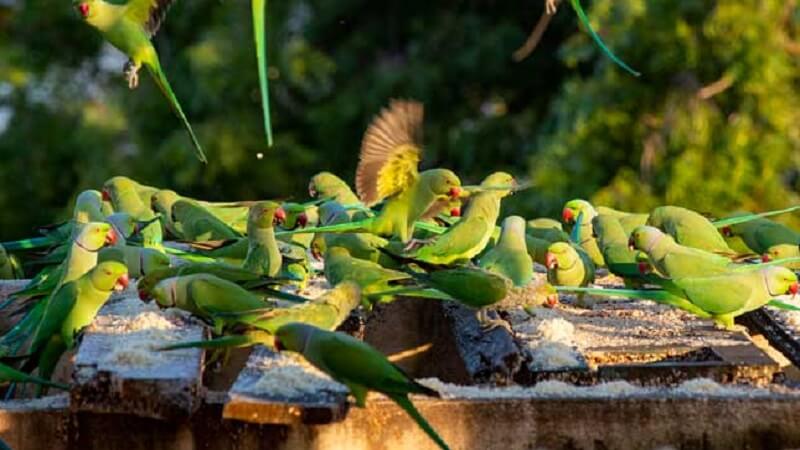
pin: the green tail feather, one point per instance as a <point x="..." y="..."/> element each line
<point x="29" y="244"/>
<point x="10" y="374"/>
<point x="166" y="89"/>
<point x="414" y="292"/>
<point x="759" y="266"/>
<point x="408" y="407"/>
<point x="243" y="340"/>
<point x="720" y="223"/>
<point x="349" y="227"/>
<point x="259" y="13"/>
<point x="783" y="305"/>
<point x="191" y="257"/>
<point x="656" y="295"/>
<point x="576" y="5"/>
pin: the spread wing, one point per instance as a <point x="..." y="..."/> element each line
<point x="390" y="152"/>
<point x="149" y="13"/>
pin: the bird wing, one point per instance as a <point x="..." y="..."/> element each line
<point x="390" y="152"/>
<point x="717" y="295"/>
<point x="459" y="239"/>
<point x="57" y="309"/>
<point x="149" y="13"/>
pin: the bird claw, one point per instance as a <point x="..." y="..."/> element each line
<point x="131" y="73"/>
<point x="488" y="324"/>
<point x="551" y="6"/>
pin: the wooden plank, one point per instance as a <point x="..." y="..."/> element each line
<point x="119" y="370"/>
<point x="281" y="388"/>
<point x="763" y="322"/>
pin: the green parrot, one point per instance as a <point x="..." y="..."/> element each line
<point x="387" y="169"/>
<point x="196" y="223"/>
<point x="510" y="256"/>
<point x="72" y="307"/>
<point x="139" y="260"/>
<point x="614" y="244"/>
<point x="360" y="245"/>
<point x="358" y="366"/>
<point x="546" y="229"/>
<point x="537" y="248"/>
<point x="143" y="191"/>
<point x="690" y="229"/>
<point x="205" y="296"/>
<point x="673" y="260"/>
<point x="568" y="265"/>
<point x="259" y="326"/>
<point x="574" y="209"/>
<point x="126" y="196"/>
<point x="761" y="234"/>
<point x="628" y="220"/>
<point x="299" y="215"/>
<point x="371" y="277"/>
<point x="470" y="235"/>
<point x="263" y="256"/>
<point x="721" y="297"/>
<point x="129" y="27"/>
<point x="326" y="185"/>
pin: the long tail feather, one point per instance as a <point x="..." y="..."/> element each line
<point x="28" y="244"/>
<point x="783" y="305"/>
<point x="720" y="223"/>
<point x="656" y="295"/>
<point x="166" y="89"/>
<point x="259" y="13"/>
<point x="408" y="407"/>
<point x="10" y="374"/>
<point x="349" y="227"/>
<point x="576" y="5"/>
<point x="243" y="340"/>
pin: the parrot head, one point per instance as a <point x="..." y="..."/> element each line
<point x="294" y="215"/>
<point x="442" y="183"/>
<point x="317" y="246"/>
<point x="324" y="184"/>
<point x="123" y="223"/>
<point x="560" y="254"/>
<point x="116" y="187"/>
<point x="110" y="275"/>
<point x="152" y="259"/>
<point x="88" y="206"/>
<point x="645" y="237"/>
<point x="265" y="215"/>
<point x="163" y="200"/>
<point x="573" y="208"/>
<point x="164" y="292"/>
<point x="781" y="281"/>
<point x="95" y="235"/>
<point x="84" y="8"/>
<point x="293" y="337"/>
<point x="781" y="251"/>
<point x="502" y="180"/>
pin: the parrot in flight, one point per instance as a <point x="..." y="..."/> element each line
<point x="129" y="27"/>
<point x="387" y="169"/>
<point x="356" y="365"/>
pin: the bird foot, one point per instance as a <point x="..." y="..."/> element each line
<point x="488" y="325"/>
<point x="131" y="72"/>
<point x="414" y="244"/>
<point x="551" y="6"/>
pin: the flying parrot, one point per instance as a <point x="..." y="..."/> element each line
<point x="510" y="256"/>
<point x="387" y="169"/>
<point x="358" y="366"/>
<point x="129" y="27"/>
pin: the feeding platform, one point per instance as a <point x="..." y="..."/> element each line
<point x="617" y="375"/>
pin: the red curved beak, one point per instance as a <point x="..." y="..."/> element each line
<point x="455" y="212"/>
<point x="106" y="195"/>
<point x="794" y="288"/>
<point x="765" y="258"/>
<point x="455" y="192"/>
<point x="643" y="268"/>
<point x="312" y="190"/>
<point x="302" y="220"/>
<point x="550" y="260"/>
<point x="122" y="282"/>
<point x="551" y="301"/>
<point x="83" y="8"/>
<point x="567" y="216"/>
<point x="111" y="237"/>
<point x="280" y="215"/>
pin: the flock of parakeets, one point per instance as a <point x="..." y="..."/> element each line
<point x="401" y="233"/>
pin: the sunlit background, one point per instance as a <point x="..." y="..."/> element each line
<point x="712" y="124"/>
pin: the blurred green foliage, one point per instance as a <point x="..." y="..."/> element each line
<point x="712" y="123"/>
